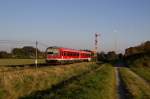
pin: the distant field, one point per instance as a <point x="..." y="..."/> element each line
<point x="19" y="61"/>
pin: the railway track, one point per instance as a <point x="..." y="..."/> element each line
<point x="10" y="68"/>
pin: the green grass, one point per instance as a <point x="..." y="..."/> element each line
<point x="95" y="85"/>
<point x="19" y="61"/>
<point x="144" y="72"/>
<point x="141" y="67"/>
<point x="137" y="87"/>
<point x="23" y="82"/>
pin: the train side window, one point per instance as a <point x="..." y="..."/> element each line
<point x="77" y="54"/>
<point x="62" y="53"/>
<point x="71" y="54"/>
<point x="68" y="53"/>
<point x="65" y="54"/>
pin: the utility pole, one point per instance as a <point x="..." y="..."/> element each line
<point x="36" y="54"/>
<point x="96" y="43"/>
<point x="115" y="41"/>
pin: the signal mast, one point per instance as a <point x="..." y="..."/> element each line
<point x="96" y="44"/>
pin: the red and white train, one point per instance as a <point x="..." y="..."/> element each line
<point x="65" y="55"/>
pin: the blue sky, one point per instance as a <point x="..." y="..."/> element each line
<point x="72" y="23"/>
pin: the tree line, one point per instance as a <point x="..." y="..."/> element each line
<point x="143" y="48"/>
<point x="131" y="53"/>
<point x="24" y="52"/>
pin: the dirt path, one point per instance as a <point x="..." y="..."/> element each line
<point x="121" y="91"/>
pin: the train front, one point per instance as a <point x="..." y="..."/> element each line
<point x="53" y="55"/>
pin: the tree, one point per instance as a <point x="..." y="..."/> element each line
<point x="26" y="52"/>
<point x="144" y="48"/>
<point x="102" y="56"/>
<point x="4" y="54"/>
<point x="112" y="56"/>
<point x="17" y="53"/>
<point x="29" y="51"/>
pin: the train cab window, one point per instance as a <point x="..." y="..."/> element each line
<point x="49" y="52"/>
<point x="53" y="52"/>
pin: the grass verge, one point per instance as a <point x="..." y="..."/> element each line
<point x="143" y="72"/>
<point x="141" y="67"/>
<point x="137" y="87"/>
<point x="98" y="84"/>
<point x="23" y="82"/>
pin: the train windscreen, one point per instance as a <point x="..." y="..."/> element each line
<point x="53" y="51"/>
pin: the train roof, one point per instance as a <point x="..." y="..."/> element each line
<point x="69" y="49"/>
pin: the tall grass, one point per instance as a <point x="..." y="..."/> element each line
<point x="19" y="83"/>
<point x="144" y="72"/>
<point x="141" y="66"/>
<point x="95" y="85"/>
<point x="136" y="86"/>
